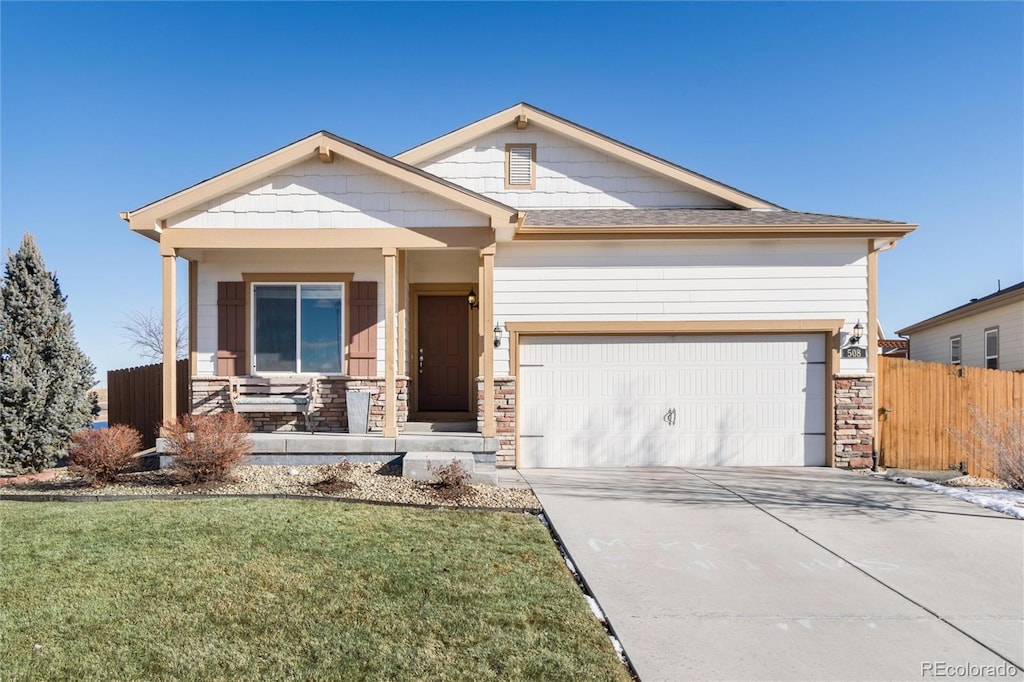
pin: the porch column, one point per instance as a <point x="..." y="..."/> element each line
<point x="487" y="336"/>
<point x="390" y="341"/>
<point x="170" y="373"/>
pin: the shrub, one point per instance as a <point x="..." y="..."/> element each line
<point x="995" y="444"/>
<point x="451" y="483"/>
<point x="205" y="448"/>
<point x="101" y="455"/>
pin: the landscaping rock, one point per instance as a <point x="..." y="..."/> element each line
<point x="371" y="482"/>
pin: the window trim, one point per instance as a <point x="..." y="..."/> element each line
<point x="958" y="339"/>
<point x="532" y="146"/>
<point x="995" y="331"/>
<point x="251" y="278"/>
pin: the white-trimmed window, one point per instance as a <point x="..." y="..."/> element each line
<point x="992" y="348"/>
<point x="955" y="354"/>
<point x="298" y="327"/>
<point x="520" y="166"/>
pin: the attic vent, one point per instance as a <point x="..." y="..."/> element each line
<point x="519" y="165"/>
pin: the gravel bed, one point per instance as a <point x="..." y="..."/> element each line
<point x="374" y="482"/>
<point x="975" y="482"/>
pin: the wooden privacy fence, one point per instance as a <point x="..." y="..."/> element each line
<point x="925" y="406"/>
<point x="135" y="398"/>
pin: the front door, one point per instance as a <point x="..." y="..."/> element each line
<point x="443" y="354"/>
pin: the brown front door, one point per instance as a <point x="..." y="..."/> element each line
<point x="443" y="354"/>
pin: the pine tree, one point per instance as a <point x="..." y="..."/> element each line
<point x="44" y="376"/>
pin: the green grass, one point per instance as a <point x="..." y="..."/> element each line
<point x="284" y="589"/>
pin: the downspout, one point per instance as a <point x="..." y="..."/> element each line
<point x="874" y="250"/>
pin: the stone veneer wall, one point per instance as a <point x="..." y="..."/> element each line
<point x="504" y="416"/>
<point x="854" y="414"/>
<point x="210" y="395"/>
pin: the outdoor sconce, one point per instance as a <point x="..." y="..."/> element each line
<point x="497" y="335"/>
<point x="858" y="332"/>
<point x="472" y="300"/>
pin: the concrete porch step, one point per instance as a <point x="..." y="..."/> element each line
<point x="420" y="466"/>
<point x="468" y="427"/>
<point x="298" y="449"/>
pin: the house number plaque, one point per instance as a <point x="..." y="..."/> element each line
<point x="854" y="352"/>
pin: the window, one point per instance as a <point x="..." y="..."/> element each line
<point x="954" y="350"/>
<point x="992" y="348"/>
<point x="298" y="328"/>
<point x="519" y="166"/>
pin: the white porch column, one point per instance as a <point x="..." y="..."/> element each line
<point x="487" y="336"/>
<point x="390" y="341"/>
<point x="170" y="372"/>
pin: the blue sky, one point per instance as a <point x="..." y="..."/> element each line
<point x="907" y="111"/>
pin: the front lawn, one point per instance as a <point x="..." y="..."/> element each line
<point x="286" y="589"/>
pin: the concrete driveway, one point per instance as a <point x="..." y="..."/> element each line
<point x="786" y="574"/>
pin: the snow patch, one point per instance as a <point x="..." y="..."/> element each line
<point x="1009" y="502"/>
<point x="619" y="651"/>
<point x="598" y="613"/>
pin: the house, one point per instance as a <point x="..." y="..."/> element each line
<point x="585" y="302"/>
<point x="985" y="332"/>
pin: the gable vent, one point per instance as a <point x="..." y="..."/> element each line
<point x="520" y="165"/>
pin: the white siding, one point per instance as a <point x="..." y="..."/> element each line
<point x="569" y="175"/>
<point x="932" y="345"/>
<point x="342" y="194"/>
<point x="674" y="281"/>
<point x="365" y="266"/>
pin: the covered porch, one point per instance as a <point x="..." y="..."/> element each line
<point x="407" y="330"/>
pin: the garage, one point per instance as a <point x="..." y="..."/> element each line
<point x="681" y="400"/>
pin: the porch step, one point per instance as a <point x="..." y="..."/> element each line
<point x="441" y="427"/>
<point x="418" y="465"/>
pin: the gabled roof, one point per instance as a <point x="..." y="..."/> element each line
<point x="527" y="114"/>
<point x="1010" y="294"/>
<point x="147" y="219"/>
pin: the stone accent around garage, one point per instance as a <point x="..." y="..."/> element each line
<point x="210" y="396"/>
<point x="504" y="417"/>
<point x="854" y="420"/>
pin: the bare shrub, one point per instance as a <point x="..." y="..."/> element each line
<point x="994" y="443"/>
<point x="451" y="483"/>
<point x="336" y="480"/>
<point x="205" y="448"/>
<point x="101" y="455"/>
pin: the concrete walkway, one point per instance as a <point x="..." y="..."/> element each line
<point x="792" y="574"/>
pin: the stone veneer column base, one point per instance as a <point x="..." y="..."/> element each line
<point x="504" y="416"/>
<point x="210" y="396"/>
<point x="854" y="420"/>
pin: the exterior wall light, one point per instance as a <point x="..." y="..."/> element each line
<point x="497" y="335"/>
<point x="858" y="332"/>
<point x="471" y="299"/>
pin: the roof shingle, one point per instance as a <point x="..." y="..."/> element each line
<point x="712" y="217"/>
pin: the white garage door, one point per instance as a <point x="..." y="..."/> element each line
<point x="612" y="401"/>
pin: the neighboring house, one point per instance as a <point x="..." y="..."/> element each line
<point x="626" y="311"/>
<point x="986" y="332"/>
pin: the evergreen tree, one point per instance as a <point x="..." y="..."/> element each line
<point x="44" y="376"/>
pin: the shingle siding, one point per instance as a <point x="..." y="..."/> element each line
<point x="569" y="175"/>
